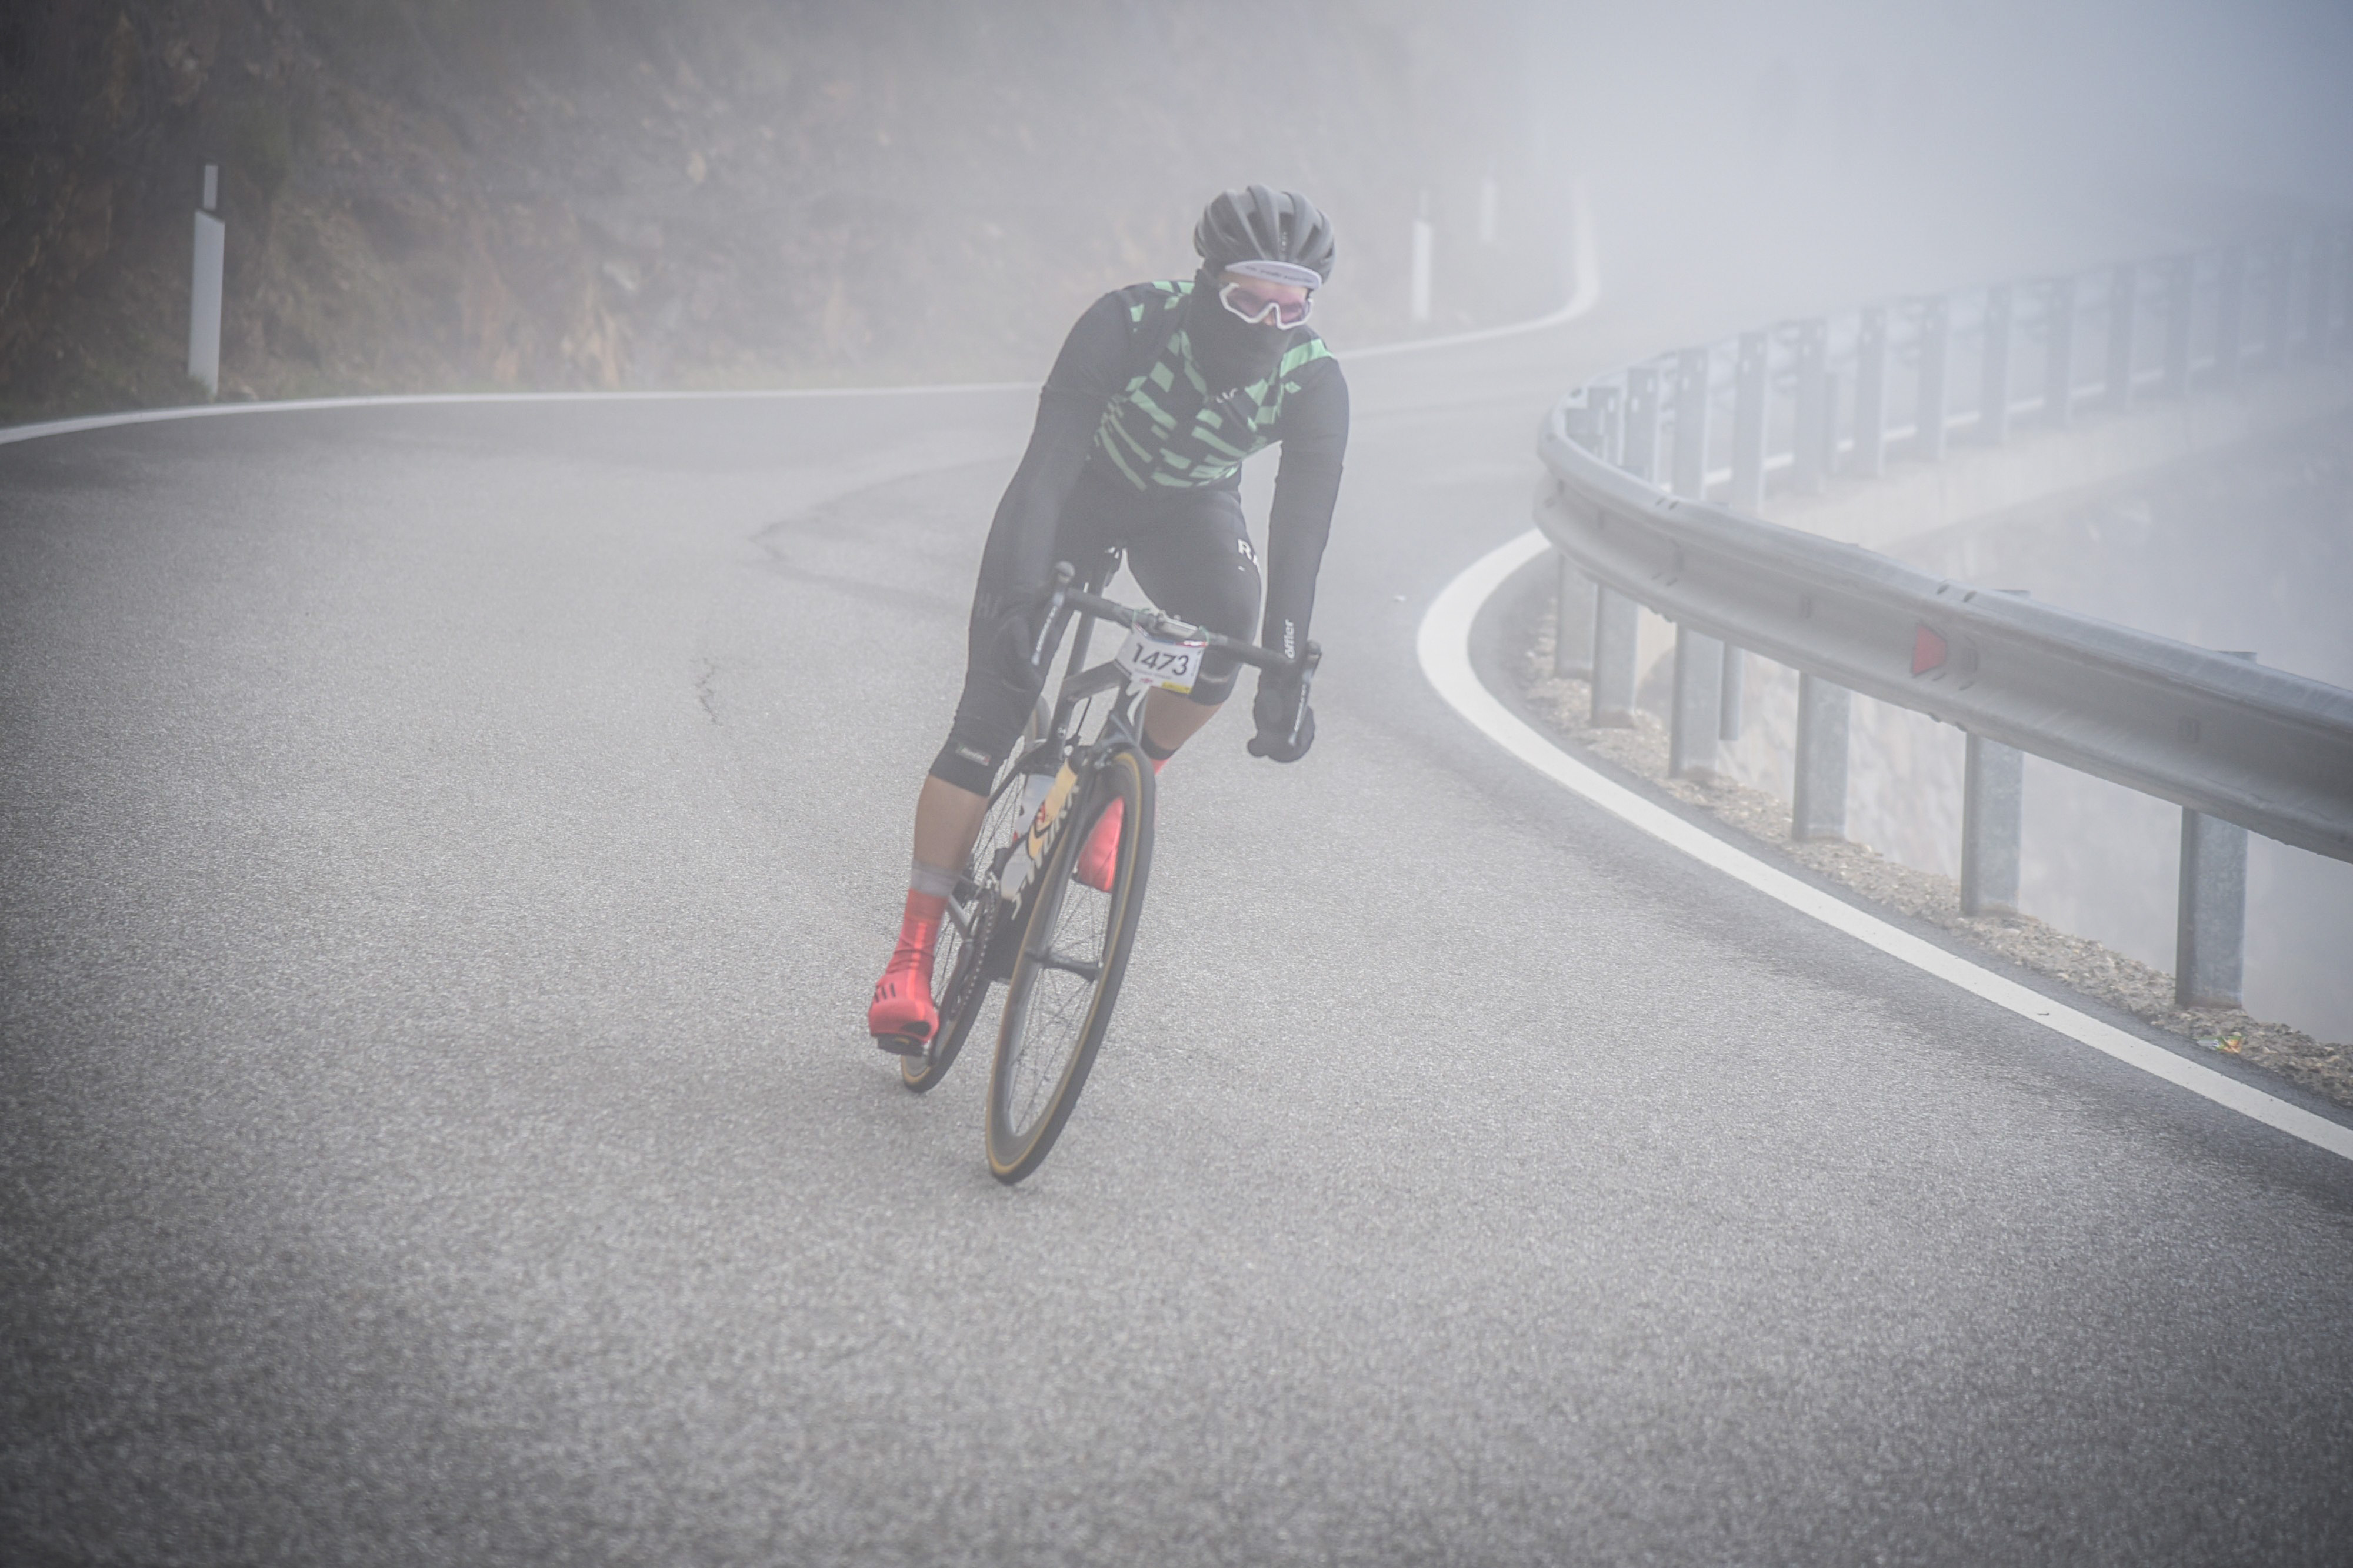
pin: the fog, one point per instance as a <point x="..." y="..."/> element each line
<point x="609" y="194"/>
<point x="615" y="193"/>
<point x="1819" y="156"/>
<point x="2022" y="135"/>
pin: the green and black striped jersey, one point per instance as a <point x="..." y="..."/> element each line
<point x="1126" y="395"/>
<point x="1167" y="429"/>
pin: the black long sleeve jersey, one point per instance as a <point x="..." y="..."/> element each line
<point x="1125" y="395"/>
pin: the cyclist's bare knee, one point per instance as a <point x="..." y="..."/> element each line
<point x="1171" y="720"/>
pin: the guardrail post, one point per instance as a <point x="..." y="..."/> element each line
<point x="1808" y="436"/>
<point x="1572" y="637"/>
<point x="1752" y="393"/>
<point x="2230" y="311"/>
<point x="1870" y="392"/>
<point x="1690" y="423"/>
<point x="1993" y="790"/>
<point x="1608" y="423"/>
<point x="1615" y="622"/>
<point x="1728" y="704"/>
<point x="2210" y="937"/>
<point x="1691" y="737"/>
<point x="1642" y="411"/>
<point x="1936" y="340"/>
<point x="1830" y="421"/>
<point x="1578" y="421"/>
<point x="1817" y="807"/>
<point x="1993" y="400"/>
<point x="2059" y="351"/>
<point x="2279" y="282"/>
<point x="2124" y="315"/>
<point x="2210" y="928"/>
<point x="2180" y="307"/>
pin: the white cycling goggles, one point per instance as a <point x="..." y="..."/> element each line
<point x="1255" y="308"/>
<point x="1289" y="273"/>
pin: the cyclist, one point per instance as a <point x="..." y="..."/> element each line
<point x="1160" y="391"/>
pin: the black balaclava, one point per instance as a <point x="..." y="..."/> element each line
<point x="1228" y="350"/>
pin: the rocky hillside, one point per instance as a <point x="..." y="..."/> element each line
<point x="431" y="194"/>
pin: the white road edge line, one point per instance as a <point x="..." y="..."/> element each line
<point x="427" y="399"/>
<point x="1443" y="647"/>
<point x="1584" y="289"/>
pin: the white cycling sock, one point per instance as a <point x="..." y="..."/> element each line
<point x="931" y="881"/>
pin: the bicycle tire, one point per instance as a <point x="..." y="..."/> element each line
<point x="1051" y="1030"/>
<point x="960" y="988"/>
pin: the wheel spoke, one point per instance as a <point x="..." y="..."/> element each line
<point x="1056" y="1012"/>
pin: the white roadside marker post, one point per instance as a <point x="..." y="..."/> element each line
<point x="204" y="290"/>
<point x="1421" y="244"/>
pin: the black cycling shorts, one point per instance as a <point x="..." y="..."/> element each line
<point x="1191" y="554"/>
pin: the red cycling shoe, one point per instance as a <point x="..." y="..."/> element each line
<point x="1099" y="856"/>
<point x="903" y="1017"/>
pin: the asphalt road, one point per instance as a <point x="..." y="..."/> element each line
<point x="444" y="853"/>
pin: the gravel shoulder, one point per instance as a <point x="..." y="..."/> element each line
<point x="1563" y="704"/>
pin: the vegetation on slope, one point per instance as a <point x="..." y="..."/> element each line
<point x="429" y="194"/>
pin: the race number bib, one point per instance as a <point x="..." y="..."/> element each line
<point x="1162" y="662"/>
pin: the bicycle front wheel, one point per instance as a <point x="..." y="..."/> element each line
<point x="1066" y="978"/>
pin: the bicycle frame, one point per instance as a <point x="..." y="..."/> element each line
<point x="1061" y="745"/>
<point x="993" y="900"/>
<point x="1122" y="722"/>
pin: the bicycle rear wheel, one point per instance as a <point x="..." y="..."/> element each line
<point x="972" y="926"/>
<point x="962" y="987"/>
<point x="1072" y="956"/>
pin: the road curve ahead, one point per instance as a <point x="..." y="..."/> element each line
<point x="444" y="852"/>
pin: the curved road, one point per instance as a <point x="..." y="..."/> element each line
<point x="444" y="852"/>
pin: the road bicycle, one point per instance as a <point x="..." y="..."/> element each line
<point x="1020" y="915"/>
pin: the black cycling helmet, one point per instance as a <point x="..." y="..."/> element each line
<point x="1281" y="227"/>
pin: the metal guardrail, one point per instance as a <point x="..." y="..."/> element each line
<point x="2236" y="745"/>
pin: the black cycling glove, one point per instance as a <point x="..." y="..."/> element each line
<point x="1286" y="723"/>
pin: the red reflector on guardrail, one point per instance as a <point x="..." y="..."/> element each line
<point x="1927" y="651"/>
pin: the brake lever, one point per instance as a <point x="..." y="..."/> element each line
<point x="1049" y="628"/>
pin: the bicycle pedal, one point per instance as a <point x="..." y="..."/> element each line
<point x="902" y="1045"/>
